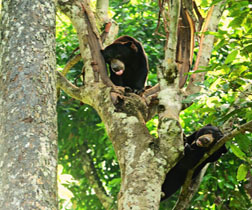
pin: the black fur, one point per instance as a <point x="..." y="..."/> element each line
<point x="195" y="148"/>
<point x="126" y="52"/>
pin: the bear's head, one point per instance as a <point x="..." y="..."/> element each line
<point x="208" y="135"/>
<point x="117" y="55"/>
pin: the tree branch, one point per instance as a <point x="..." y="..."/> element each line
<point x="192" y="9"/>
<point x="95" y="45"/>
<point x="168" y="71"/>
<point x="68" y="87"/>
<point x="110" y="32"/>
<point x="206" y="46"/>
<point x="185" y="45"/>
<point x="169" y="129"/>
<point x="248" y="185"/>
<point x="182" y="203"/>
<point x="102" y="9"/>
<point x="71" y="63"/>
<point x="199" y="16"/>
<point x="137" y="151"/>
<point x="209" y="15"/>
<point x="111" y="27"/>
<point x="83" y="19"/>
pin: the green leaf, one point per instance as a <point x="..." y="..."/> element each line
<point x="231" y="57"/>
<point x="237" y="152"/>
<point x="229" y="186"/>
<point x="237" y="21"/>
<point x="248" y="49"/>
<point x="115" y="182"/>
<point x="242" y="172"/>
<point x="244" y="142"/>
<point x="226" y="117"/>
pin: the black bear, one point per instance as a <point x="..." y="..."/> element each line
<point x="196" y="145"/>
<point x="128" y="63"/>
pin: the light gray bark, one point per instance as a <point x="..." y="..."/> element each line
<point x="28" y="126"/>
<point x="170" y="98"/>
<point x="206" y="46"/>
<point x="102" y="9"/>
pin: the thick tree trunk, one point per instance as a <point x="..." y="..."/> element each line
<point x="28" y="126"/>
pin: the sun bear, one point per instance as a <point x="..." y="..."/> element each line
<point x="196" y="145"/>
<point x="127" y="62"/>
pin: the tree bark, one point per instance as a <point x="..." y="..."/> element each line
<point x="206" y="46"/>
<point x="170" y="99"/>
<point x="28" y="125"/>
<point x="102" y="9"/>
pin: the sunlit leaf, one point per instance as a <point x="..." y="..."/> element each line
<point x="242" y="172"/>
<point x="237" y="21"/>
<point x="237" y="151"/>
<point x="244" y="142"/>
<point x="231" y="56"/>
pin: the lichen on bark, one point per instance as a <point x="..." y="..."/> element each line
<point x="28" y="125"/>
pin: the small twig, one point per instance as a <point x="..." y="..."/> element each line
<point x="150" y="91"/>
<point x="199" y="16"/>
<point x="106" y="31"/>
<point x="161" y="8"/>
<point x="168" y="70"/>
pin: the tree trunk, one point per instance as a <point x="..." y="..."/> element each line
<point x="28" y="126"/>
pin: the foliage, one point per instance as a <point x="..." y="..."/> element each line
<point x="225" y="101"/>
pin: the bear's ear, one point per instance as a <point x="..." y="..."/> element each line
<point x="132" y="46"/>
